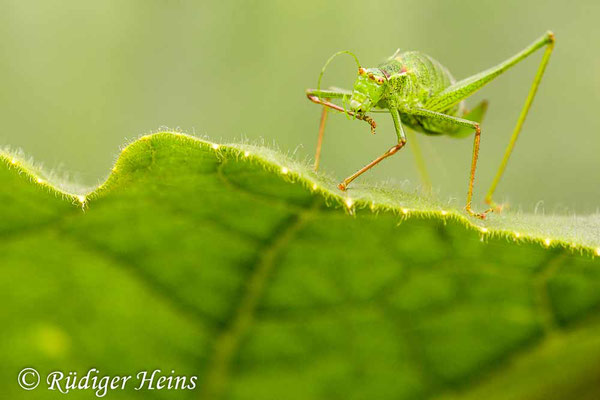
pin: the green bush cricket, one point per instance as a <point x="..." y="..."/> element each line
<point x="421" y="93"/>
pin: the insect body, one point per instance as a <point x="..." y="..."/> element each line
<point x="421" y="93"/>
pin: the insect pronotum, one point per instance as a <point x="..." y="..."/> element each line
<point x="420" y="93"/>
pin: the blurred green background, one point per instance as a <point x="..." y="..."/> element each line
<point x="78" y="78"/>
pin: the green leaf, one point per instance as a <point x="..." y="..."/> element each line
<point x="243" y="267"/>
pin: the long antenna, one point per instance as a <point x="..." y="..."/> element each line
<point x="330" y="60"/>
<point x="325" y="67"/>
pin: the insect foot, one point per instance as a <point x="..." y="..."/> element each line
<point x="494" y="206"/>
<point x="482" y="215"/>
<point x="342" y="186"/>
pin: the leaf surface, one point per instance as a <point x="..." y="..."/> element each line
<point x="243" y="267"/>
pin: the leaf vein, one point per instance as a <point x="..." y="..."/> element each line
<point x="229" y="339"/>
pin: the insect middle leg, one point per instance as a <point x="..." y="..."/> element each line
<point x="464" y="123"/>
<point x="401" y="142"/>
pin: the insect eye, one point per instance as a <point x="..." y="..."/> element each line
<point x="361" y="71"/>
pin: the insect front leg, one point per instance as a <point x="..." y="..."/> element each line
<point x="322" y="97"/>
<point x="320" y="138"/>
<point x="401" y="142"/>
<point x="464" y="123"/>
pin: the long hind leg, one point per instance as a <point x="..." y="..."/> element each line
<point x="520" y="121"/>
<point x="466" y="87"/>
